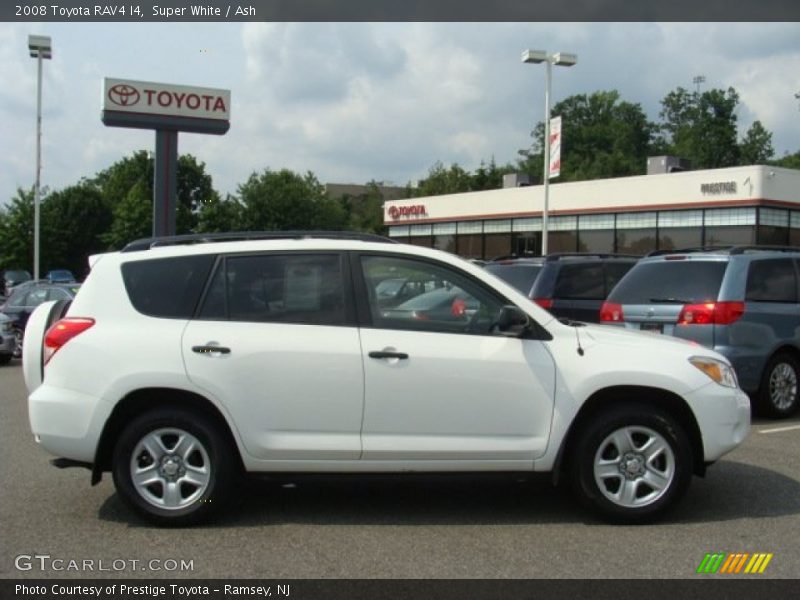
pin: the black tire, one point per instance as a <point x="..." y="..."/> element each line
<point x="175" y="472"/>
<point x="5" y="359"/>
<point x="617" y="485"/>
<point x="777" y="396"/>
<point x="18" y="337"/>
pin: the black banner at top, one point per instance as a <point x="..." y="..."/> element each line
<point x="398" y="10"/>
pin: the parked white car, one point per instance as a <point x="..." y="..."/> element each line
<point x="184" y="362"/>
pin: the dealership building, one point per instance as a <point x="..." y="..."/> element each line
<point x="631" y="215"/>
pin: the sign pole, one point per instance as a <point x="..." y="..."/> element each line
<point x="165" y="183"/>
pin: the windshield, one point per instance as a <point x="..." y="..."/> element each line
<point x="663" y="282"/>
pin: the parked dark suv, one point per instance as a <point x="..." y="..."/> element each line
<point x="742" y="301"/>
<point x="571" y="286"/>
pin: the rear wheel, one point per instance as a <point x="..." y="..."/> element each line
<point x="632" y="463"/>
<point x="777" y="396"/>
<point x="5" y="359"/>
<point x="174" y="467"/>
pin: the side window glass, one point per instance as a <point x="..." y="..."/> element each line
<point x="614" y="272"/>
<point x="305" y="289"/>
<point x="417" y="295"/>
<point x="36" y="297"/>
<point x="57" y="294"/>
<point x="772" y="281"/>
<point x="580" y="281"/>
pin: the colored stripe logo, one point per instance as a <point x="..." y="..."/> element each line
<point x="735" y="563"/>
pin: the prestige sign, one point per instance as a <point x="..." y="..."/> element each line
<point x="144" y="97"/>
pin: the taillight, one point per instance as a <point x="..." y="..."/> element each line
<point x="611" y="312"/>
<point x="63" y="331"/>
<point x="546" y="303"/>
<point x="711" y="313"/>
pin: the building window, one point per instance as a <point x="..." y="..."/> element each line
<point x="730" y="216"/>
<point x="601" y="242"/>
<point x="773" y="226"/>
<point x="497" y="244"/>
<point x="527" y="224"/>
<point x="729" y="236"/>
<point x="470" y="245"/>
<point x="794" y="228"/>
<point x="527" y="243"/>
<point x="636" y="233"/>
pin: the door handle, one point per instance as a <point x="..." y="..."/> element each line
<point x="385" y="354"/>
<point x="211" y="349"/>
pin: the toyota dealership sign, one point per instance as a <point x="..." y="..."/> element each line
<point x="128" y="103"/>
<point x="166" y="99"/>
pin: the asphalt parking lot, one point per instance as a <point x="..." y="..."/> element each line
<point x="417" y="528"/>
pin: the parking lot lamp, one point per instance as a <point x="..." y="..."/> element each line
<point x="40" y="48"/>
<point x="560" y="59"/>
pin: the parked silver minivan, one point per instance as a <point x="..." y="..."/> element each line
<point x="742" y="301"/>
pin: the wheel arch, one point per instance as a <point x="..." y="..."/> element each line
<point x="648" y="396"/>
<point x="140" y="401"/>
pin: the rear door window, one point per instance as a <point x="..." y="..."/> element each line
<point x="279" y="288"/>
<point x="663" y="282"/>
<point x="772" y="280"/>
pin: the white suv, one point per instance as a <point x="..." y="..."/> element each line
<point x="185" y="361"/>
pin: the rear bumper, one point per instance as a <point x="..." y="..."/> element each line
<point x="66" y="423"/>
<point x="749" y="366"/>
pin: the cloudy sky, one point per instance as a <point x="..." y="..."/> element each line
<point x="354" y="102"/>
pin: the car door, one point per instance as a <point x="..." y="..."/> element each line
<point x="439" y="384"/>
<point x="275" y="341"/>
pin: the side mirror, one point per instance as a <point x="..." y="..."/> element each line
<point x="512" y="321"/>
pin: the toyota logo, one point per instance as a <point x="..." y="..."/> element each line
<point x="394" y="212"/>
<point x="123" y="95"/>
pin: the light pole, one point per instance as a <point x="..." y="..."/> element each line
<point x="560" y="59"/>
<point x="40" y="48"/>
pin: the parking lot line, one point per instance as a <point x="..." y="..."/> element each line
<point x="779" y="429"/>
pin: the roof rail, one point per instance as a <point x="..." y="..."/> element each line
<point x="514" y="256"/>
<point x="735" y="249"/>
<point x="236" y="236"/>
<point x="559" y="255"/>
<point x="690" y="250"/>
<point x="763" y="248"/>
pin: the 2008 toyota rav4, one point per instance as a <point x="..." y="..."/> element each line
<point x="185" y="361"/>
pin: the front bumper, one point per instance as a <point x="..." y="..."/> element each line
<point x="723" y="415"/>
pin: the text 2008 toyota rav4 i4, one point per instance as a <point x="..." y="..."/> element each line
<point x="186" y="361"/>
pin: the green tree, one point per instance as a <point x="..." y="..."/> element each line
<point x="365" y="212"/>
<point x="701" y="127"/>
<point x="602" y="136"/>
<point x="130" y="180"/>
<point x="441" y="180"/>
<point x="789" y="161"/>
<point x="283" y="200"/>
<point x="756" y="146"/>
<point x="73" y="221"/>
<point x="16" y="232"/>
<point x="132" y="217"/>
<point x="219" y="214"/>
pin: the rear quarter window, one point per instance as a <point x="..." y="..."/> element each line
<point x="772" y="281"/>
<point x="167" y="287"/>
<point x="684" y="281"/>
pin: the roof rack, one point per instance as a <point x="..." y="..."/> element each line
<point x="735" y="249"/>
<point x="237" y="236"/>
<point x="514" y="256"/>
<point x="763" y="248"/>
<point x="559" y="255"/>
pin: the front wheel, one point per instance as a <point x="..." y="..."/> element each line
<point x="173" y="467"/>
<point x="632" y="463"/>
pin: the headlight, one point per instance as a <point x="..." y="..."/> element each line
<point x="717" y="370"/>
